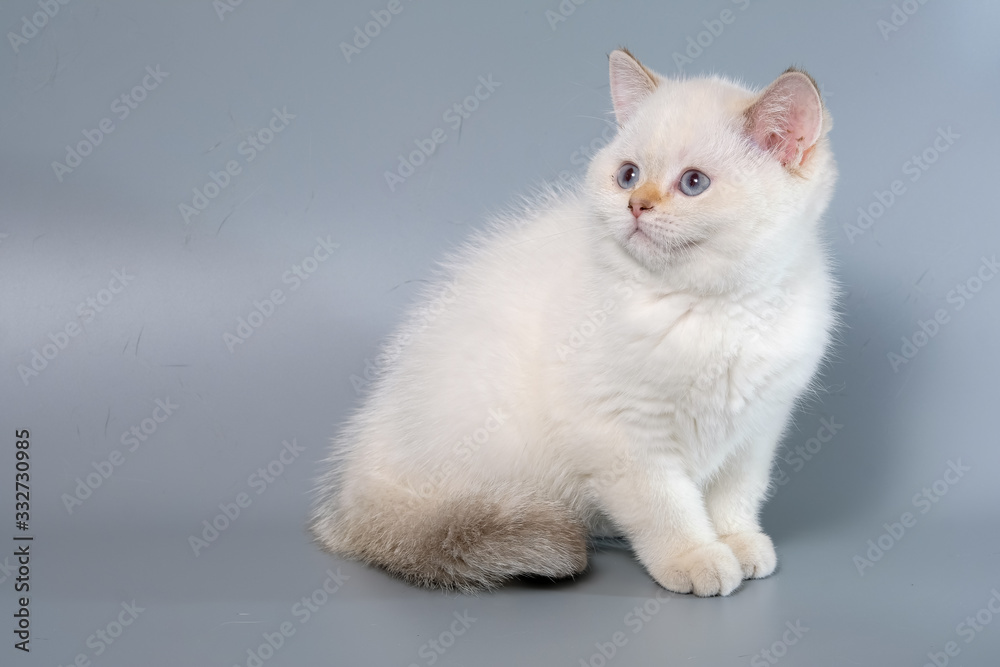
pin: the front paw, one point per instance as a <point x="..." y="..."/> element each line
<point x="754" y="551"/>
<point x="710" y="569"/>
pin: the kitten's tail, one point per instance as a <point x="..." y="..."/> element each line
<point x="468" y="543"/>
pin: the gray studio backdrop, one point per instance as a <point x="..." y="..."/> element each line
<point x="200" y="250"/>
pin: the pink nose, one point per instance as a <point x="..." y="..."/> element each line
<point x="637" y="206"/>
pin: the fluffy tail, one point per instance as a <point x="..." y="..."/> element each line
<point x="465" y="543"/>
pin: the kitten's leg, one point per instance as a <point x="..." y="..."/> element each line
<point x="734" y="499"/>
<point x="663" y="513"/>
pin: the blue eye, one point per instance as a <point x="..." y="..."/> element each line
<point x="693" y="182"/>
<point x="628" y="176"/>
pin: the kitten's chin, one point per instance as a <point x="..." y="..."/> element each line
<point x="655" y="252"/>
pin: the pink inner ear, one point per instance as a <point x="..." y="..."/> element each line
<point x="630" y="85"/>
<point x="788" y="117"/>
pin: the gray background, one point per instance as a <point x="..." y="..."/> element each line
<point x="161" y="337"/>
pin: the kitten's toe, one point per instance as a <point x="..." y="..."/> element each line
<point x="710" y="569"/>
<point x="754" y="551"/>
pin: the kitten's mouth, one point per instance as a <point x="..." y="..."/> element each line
<point x="639" y="231"/>
<point x="639" y="234"/>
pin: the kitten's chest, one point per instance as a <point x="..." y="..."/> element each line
<point x="702" y="371"/>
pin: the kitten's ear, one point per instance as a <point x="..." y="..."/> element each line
<point x="787" y="118"/>
<point x="631" y="83"/>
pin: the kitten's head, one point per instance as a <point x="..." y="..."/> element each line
<point x="707" y="182"/>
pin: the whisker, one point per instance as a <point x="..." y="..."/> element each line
<point x="607" y="121"/>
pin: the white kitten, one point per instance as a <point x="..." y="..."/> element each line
<point x="619" y="359"/>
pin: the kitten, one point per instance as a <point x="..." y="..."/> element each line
<point x="621" y="359"/>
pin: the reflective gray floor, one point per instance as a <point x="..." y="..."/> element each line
<point x="200" y="251"/>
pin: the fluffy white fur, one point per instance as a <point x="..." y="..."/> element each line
<point x="578" y="370"/>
